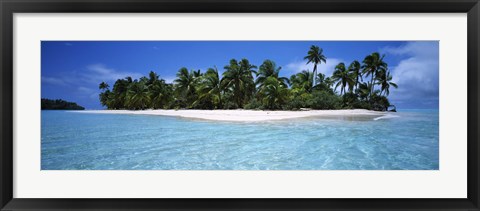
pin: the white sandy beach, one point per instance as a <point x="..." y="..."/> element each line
<point x="246" y="115"/>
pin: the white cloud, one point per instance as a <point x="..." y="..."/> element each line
<point x="53" y="81"/>
<point x="325" y="68"/>
<point x="168" y="79"/>
<point x="100" y="72"/>
<point x="85" y="83"/>
<point x="417" y="74"/>
<point x="94" y="95"/>
<point x="421" y="49"/>
<point x="85" y="90"/>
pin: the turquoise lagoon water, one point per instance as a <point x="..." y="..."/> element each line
<point x="82" y="141"/>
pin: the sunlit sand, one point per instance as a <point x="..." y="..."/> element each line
<point x="245" y="115"/>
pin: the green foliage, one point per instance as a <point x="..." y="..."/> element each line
<point x="372" y="65"/>
<point x="209" y="90"/>
<point x="186" y="83"/>
<point x="351" y="101"/>
<point x="302" y="80"/>
<point x="274" y="93"/>
<point x="138" y="96"/>
<point x="269" y="69"/>
<point x="299" y="98"/>
<point x="325" y="101"/>
<point x="315" y="56"/>
<point x="238" y="79"/>
<point x="238" y="88"/>
<point x="343" y="78"/>
<point x="254" y="104"/>
<point x="379" y="103"/>
<point x="59" y="104"/>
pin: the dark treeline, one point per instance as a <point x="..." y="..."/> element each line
<point x="59" y="104"/>
<point x="363" y="84"/>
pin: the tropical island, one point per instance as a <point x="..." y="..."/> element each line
<point x="277" y="105"/>
<point x="361" y="85"/>
<point x="59" y="104"/>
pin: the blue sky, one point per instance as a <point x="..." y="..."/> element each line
<point x="72" y="70"/>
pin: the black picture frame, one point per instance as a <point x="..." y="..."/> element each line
<point x="9" y="7"/>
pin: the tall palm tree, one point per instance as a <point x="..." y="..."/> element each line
<point x="185" y="85"/>
<point x="275" y="94"/>
<point x="152" y="77"/>
<point x="302" y="80"/>
<point x="158" y="94"/>
<point x="119" y="92"/>
<point x="320" y="78"/>
<point x="103" y="86"/>
<point x="238" y="78"/>
<point x="356" y="69"/>
<point x="249" y="70"/>
<point x="267" y="69"/>
<point x="105" y="95"/>
<point x="385" y="81"/>
<point x="315" y="56"/>
<point x="138" y="96"/>
<point x="364" y="90"/>
<point x="342" y="77"/>
<point x="210" y="87"/>
<point x="372" y="64"/>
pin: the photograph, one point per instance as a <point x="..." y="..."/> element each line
<point x="239" y="105"/>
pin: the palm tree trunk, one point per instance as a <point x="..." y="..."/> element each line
<point x="371" y="82"/>
<point x="372" y="87"/>
<point x="237" y="93"/>
<point x="220" y="99"/>
<point x="314" y="75"/>
<point x="356" y="83"/>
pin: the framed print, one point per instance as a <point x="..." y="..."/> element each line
<point x="239" y="105"/>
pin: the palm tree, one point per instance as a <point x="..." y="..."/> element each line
<point x="105" y="95"/>
<point x="328" y="82"/>
<point x="302" y="80"/>
<point x="119" y="92"/>
<point x="248" y="70"/>
<point x="197" y="73"/>
<point x="185" y="85"/>
<point x="238" y="78"/>
<point x="158" y="94"/>
<point x="315" y="56"/>
<point x="105" y="98"/>
<point x="342" y="77"/>
<point x="152" y="77"/>
<point x="355" y="69"/>
<point x="385" y="81"/>
<point x="320" y="78"/>
<point x="267" y="69"/>
<point x="364" y="90"/>
<point x="103" y="86"/>
<point x="275" y="94"/>
<point x="372" y="64"/>
<point x="324" y="83"/>
<point x="210" y="87"/>
<point x="138" y="96"/>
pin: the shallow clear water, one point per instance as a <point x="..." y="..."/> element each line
<point x="127" y="142"/>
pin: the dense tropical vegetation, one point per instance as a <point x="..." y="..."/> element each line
<point x="59" y="104"/>
<point x="363" y="84"/>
